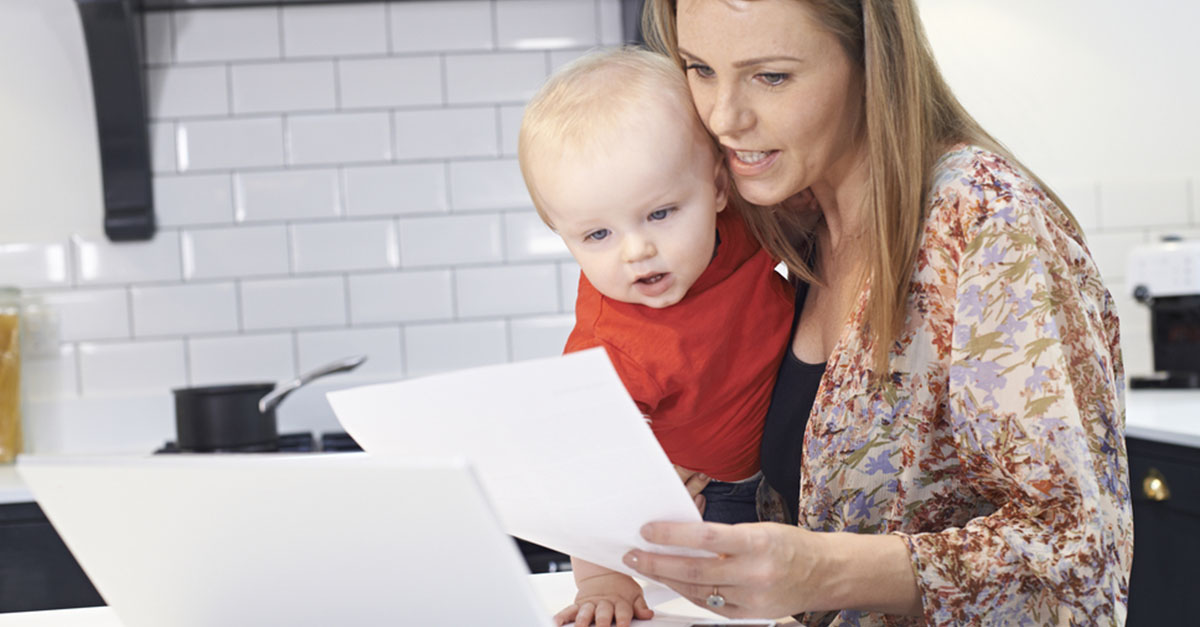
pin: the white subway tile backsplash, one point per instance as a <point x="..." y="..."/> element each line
<point x="396" y="189"/>
<point x="450" y="240"/>
<point x="436" y="25"/>
<point x="568" y="277"/>
<point x="1083" y="201"/>
<point x="93" y="314"/>
<point x="546" y="24"/>
<point x="610" y="23"/>
<point x="293" y="194"/>
<point x="401" y="297"/>
<point x="339" y="138"/>
<point x="162" y="147"/>
<point x="50" y="377"/>
<point x="235" y="252"/>
<point x="241" y="359"/>
<point x="184" y="309"/>
<point x="193" y="199"/>
<point x="510" y="128"/>
<point x="159" y="43"/>
<point x="1144" y="203"/>
<point x="292" y="86"/>
<point x="380" y="345"/>
<point x="119" y="368"/>
<point x="226" y="34"/>
<point x="102" y="261"/>
<point x="187" y="91"/>
<point x="293" y="303"/>
<point x="334" y="30"/>
<point x="431" y="348"/>
<point x="229" y="144"/>
<point x="506" y="290"/>
<point x="1111" y="252"/>
<point x="527" y="238"/>
<point x="446" y="133"/>
<point x="395" y="82"/>
<point x="342" y="246"/>
<point x="305" y="181"/>
<point x="494" y="78"/>
<point x="34" y="265"/>
<point x="496" y="184"/>
<point x="534" y="338"/>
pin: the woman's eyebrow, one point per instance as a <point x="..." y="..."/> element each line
<point x="746" y="62"/>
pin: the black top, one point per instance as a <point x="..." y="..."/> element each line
<point x="791" y="403"/>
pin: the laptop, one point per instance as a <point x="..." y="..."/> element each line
<point x="236" y="540"/>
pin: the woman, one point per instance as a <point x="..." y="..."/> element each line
<point x="964" y="459"/>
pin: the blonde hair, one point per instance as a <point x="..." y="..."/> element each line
<point x="911" y="118"/>
<point x="584" y="101"/>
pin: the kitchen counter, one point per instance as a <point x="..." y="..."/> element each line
<point x="556" y="590"/>
<point x="1170" y="416"/>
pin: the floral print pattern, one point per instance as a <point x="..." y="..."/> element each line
<point x="995" y="447"/>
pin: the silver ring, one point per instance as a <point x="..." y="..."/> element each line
<point x="715" y="600"/>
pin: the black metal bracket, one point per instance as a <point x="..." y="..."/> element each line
<point x="110" y="29"/>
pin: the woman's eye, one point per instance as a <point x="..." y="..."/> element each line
<point x="661" y="214"/>
<point x="597" y="235"/>
<point x="774" y="79"/>
<point x="700" y="69"/>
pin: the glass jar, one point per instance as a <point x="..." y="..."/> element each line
<point x="10" y="374"/>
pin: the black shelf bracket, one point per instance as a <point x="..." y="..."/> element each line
<point x="110" y="30"/>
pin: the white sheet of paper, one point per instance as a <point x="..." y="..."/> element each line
<point x="562" y="451"/>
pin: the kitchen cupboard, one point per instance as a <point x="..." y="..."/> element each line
<point x="1165" y="482"/>
<point x="37" y="571"/>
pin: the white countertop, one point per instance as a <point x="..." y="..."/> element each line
<point x="1171" y="416"/>
<point x="556" y="590"/>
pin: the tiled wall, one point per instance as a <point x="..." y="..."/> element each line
<point x="329" y="180"/>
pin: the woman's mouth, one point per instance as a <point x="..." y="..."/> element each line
<point x="750" y="162"/>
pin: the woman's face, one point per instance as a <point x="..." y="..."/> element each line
<point x="776" y="89"/>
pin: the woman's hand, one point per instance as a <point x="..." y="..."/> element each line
<point x="609" y="598"/>
<point x="695" y="482"/>
<point x="769" y="570"/>
<point x="764" y="570"/>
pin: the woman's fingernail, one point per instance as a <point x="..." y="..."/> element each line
<point x="631" y="559"/>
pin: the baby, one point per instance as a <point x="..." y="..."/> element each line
<point x="673" y="286"/>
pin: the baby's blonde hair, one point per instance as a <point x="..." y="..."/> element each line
<point x="593" y="96"/>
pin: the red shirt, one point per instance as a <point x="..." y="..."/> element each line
<point x="702" y="369"/>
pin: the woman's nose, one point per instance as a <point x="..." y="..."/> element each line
<point x="728" y="116"/>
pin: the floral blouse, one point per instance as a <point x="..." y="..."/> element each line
<point x="996" y="449"/>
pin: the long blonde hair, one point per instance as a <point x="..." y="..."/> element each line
<point x="911" y="118"/>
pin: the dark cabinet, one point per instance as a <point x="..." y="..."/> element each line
<point x="37" y="572"/>
<point x="1164" y="588"/>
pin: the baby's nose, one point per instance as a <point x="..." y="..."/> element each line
<point x="635" y="248"/>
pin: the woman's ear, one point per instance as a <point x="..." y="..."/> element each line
<point x="721" y="183"/>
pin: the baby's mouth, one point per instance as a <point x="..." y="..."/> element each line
<point x="652" y="278"/>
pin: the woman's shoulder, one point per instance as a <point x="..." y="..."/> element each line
<point x="971" y="186"/>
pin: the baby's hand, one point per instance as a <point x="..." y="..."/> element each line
<point x="695" y="482"/>
<point x="607" y="599"/>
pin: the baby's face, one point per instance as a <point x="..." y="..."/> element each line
<point x="640" y="218"/>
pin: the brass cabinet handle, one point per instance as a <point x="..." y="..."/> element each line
<point x="1154" y="486"/>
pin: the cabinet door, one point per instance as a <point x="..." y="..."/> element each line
<point x="1164" y="588"/>
<point x="37" y="572"/>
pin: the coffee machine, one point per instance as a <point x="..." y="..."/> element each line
<point x="1165" y="276"/>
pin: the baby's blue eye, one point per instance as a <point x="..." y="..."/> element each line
<point x="598" y="234"/>
<point x="661" y="214"/>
